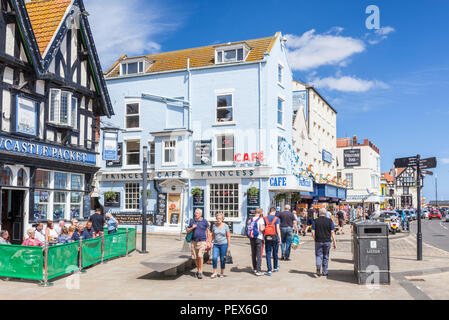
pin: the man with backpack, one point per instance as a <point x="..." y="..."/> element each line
<point x="272" y="235"/>
<point x="255" y="229"/>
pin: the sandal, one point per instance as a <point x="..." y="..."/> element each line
<point x="213" y="276"/>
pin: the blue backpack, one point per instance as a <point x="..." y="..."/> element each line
<point x="253" y="229"/>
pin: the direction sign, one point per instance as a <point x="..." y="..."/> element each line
<point x="406" y="162"/>
<point x="428" y="163"/>
<point x="429" y="173"/>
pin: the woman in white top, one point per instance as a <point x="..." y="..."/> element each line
<point x="50" y="232"/>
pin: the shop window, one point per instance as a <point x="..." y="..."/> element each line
<point x="41" y="200"/>
<point x="60" y="180"/>
<point x="225" y="108"/>
<point x="59" y="204"/>
<point x="75" y="205"/>
<point x="133" y="152"/>
<point x="42" y="179"/>
<point x="6" y="176"/>
<point x="224" y="198"/>
<point x="132" y="196"/>
<point x="77" y="182"/>
<point x="21" y="178"/>
<point x="169" y="152"/>
<point x="225" y="148"/>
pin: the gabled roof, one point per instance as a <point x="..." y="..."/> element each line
<point x="43" y="24"/>
<point x="45" y="17"/>
<point x="387" y="177"/>
<point x="199" y="57"/>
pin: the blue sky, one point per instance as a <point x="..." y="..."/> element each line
<point x="389" y="85"/>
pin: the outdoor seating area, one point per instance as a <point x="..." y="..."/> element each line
<point x="49" y="262"/>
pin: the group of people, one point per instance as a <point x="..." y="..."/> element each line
<point x="62" y="234"/>
<point x="274" y="230"/>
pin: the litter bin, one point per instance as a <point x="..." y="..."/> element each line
<point x="371" y="252"/>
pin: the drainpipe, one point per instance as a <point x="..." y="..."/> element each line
<point x="189" y="147"/>
<point x="260" y="126"/>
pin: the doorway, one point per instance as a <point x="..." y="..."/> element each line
<point x="13" y="213"/>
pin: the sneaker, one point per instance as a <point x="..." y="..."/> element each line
<point x="213" y="276"/>
<point x="200" y="276"/>
<point x="318" y="272"/>
<point x="276" y="269"/>
<point x="259" y="273"/>
<point x="288" y="259"/>
<point x="254" y="271"/>
<point x="268" y="273"/>
<point x="221" y="275"/>
<point x="282" y="258"/>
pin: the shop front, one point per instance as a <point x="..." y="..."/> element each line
<point x="287" y="189"/>
<point x="41" y="182"/>
<point x="323" y="196"/>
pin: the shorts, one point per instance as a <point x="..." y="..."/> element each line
<point x="198" y="249"/>
<point x="341" y="223"/>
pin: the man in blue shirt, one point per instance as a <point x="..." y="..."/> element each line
<point x="80" y="233"/>
<point x="200" y="229"/>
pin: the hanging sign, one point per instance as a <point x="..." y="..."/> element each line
<point x="352" y="158"/>
<point x="110" y="146"/>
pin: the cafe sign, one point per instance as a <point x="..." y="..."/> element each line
<point x="290" y="183"/>
<point x="138" y="176"/>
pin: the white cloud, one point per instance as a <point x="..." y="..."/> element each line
<point x="348" y="84"/>
<point x="444" y="160"/>
<point x="385" y="30"/>
<point x="127" y="27"/>
<point x="313" y="50"/>
<point x="379" y="35"/>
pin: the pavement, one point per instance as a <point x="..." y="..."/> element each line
<point x="125" y="278"/>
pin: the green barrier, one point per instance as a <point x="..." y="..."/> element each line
<point x="131" y="240"/>
<point x="21" y="262"/>
<point x="62" y="259"/>
<point x="114" y="245"/>
<point x="91" y="252"/>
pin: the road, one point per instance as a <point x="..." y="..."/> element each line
<point x="435" y="232"/>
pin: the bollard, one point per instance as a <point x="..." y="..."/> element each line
<point x="80" y="267"/>
<point x="45" y="283"/>
<point x="127" y="247"/>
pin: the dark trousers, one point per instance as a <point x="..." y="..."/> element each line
<point x="287" y="237"/>
<point x="272" y="247"/>
<point x="256" y="254"/>
<point x="322" y="255"/>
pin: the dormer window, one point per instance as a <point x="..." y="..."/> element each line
<point x="134" y="67"/>
<point x="231" y="54"/>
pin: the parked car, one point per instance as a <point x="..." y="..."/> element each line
<point x="435" y="214"/>
<point x="412" y="214"/>
<point x="425" y="214"/>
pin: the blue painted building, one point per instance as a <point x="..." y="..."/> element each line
<point x="213" y="119"/>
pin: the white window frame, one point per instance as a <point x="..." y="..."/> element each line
<point x="139" y="70"/>
<point x="245" y="48"/>
<point x="350" y="186"/>
<point x="134" y="101"/>
<point x="215" y="148"/>
<point x="282" y="111"/>
<point x="151" y="143"/>
<point x="125" y="152"/>
<point x="224" y="93"/>
<point x="207" y="213"/>
<point x="281" y="74"/>
<point x="165" y="163"/>
<point x="138" y="196"/>
<point x="71" y="118"/>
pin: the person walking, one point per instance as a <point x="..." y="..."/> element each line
<point x="288" y="224"/>
<point x="221" y="238"/>
<point x="341" y="220"/>
<point x="272" y="233"/>
<point x="255" y="230"/>
<point x="323" y="232"/>
<point x="200" y="228"/>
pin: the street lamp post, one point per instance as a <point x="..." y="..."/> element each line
<point x="436" y="191"/>
<point x="419" y="232"/>
<point x="144" y="201"/>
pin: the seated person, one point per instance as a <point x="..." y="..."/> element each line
<point x="80" y="233"/>
<point x="63" y="238"/>
<point x="32" y="241"/>
<point x="4" y="235"/>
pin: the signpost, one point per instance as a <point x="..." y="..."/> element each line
<point x="419" y="164"/>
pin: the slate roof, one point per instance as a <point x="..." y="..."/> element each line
<point x="199" y="57"/>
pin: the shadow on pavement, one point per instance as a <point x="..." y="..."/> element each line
<point x="342" y="276"/>
<point x="310" y="274"/>
<point x="247" y="270"/>
<point x="343" y="260"/>
<point x="158" y="276"/>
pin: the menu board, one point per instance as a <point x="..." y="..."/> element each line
<point x="161" y="212"/>
<point x="198" y="199"/>
<point x="174" y="207"/>
<point x="253" y="201"/>
<point x="202" y="152"/>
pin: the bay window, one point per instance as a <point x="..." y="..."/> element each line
<point x="63" y="108"/>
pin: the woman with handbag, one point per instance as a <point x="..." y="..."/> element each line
<point x="221" y="238"/>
